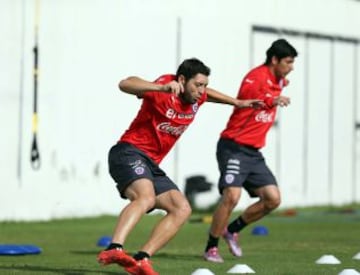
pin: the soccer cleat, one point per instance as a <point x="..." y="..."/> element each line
<point x="212" y="255"/>
<point x="141" y="267"/>
<point x="232" y="241"/>
<point x="115" y="256"/>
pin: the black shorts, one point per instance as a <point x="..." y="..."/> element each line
<point x="127" y="164"/>
<point x="242" y="166"/>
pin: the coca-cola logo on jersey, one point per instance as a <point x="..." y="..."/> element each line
<point x="264" y="117"/>
<point x="166" y="127"/>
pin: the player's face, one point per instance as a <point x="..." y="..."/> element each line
<point x="283" y="66"/>
<point x="194" y="88"/>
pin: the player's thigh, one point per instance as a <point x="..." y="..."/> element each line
<point x="261" y="182"/>
<point x="173" y="201"/>
<point x="141" y="188"/>
<point x="268" y="192"/>
<point x="163" y="183"/>
<point x="234" y="168"/>
<point x="231" y="194"/>
<point x="127" y="166"/>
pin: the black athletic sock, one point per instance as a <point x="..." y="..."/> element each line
<point x="114" y="245"/>
<point x="237" y="225"/>
<point x="212" y="242"/>
<point x="141" y="255"/>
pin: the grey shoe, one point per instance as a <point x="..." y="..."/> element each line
<point x="232" y="241"/>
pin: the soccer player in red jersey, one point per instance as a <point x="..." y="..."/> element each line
<point x="240" y="162"/>
<point x="169" y="105"/>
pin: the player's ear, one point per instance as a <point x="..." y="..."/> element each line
<point x="181" y="79"/>
<point x="275" y="60"/>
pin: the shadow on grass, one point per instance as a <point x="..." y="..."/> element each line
<point x="65" y="271"/>
<point x="164" y="255"/>
<point x="183" y="257"/>
<point x="85" y="252"/>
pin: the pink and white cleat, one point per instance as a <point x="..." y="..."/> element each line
<point x="212" y="255"/>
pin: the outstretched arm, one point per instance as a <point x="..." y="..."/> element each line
<point x="137" y="86"/>
<point x="217" y="97"/>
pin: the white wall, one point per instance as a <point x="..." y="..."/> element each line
<point x="86" y="47"/>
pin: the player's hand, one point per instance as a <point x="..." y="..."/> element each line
<point x="250" y="103"/>
<point x="174" y="87"/>
<point x="282" y="101"/>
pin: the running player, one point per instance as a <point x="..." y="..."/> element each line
<point x="169" y="105"/>
<point x="240" y="162"/>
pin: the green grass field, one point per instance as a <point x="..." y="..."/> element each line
<point x="293" y="245"/>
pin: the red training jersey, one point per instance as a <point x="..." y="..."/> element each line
<point x="249" y="126"/>
<point x="161" y="120"/>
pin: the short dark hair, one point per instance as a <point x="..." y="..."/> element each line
<point x="280" y="48"/>
<point x="191" y="67"/>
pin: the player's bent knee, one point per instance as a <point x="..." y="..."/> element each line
<point x="230" y="200"/>
<point x="231" y="197"/>
<point x="148" y="203"/>
<point x="183" y="211"/>
<point x="272" y="204"/>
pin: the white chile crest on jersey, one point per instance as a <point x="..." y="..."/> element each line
<point x="195" y="107"/>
